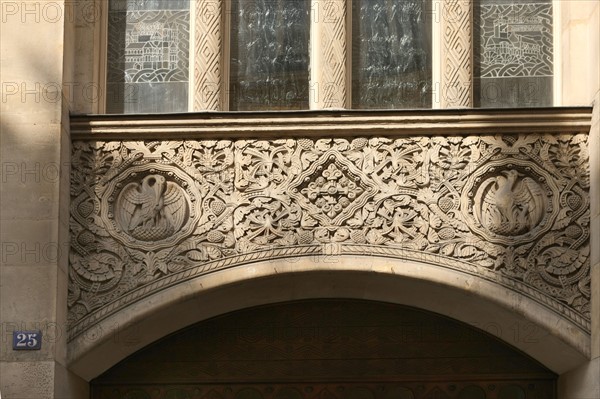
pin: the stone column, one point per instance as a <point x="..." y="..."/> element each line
<point x="457" y="54"/>
<point x="329" y="71"/>
<point x="34" y="193"/>
<point x="208" y="56"/>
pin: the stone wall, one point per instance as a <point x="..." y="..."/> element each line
<point x="35" y="146"/>
<point x="580" y="51"/>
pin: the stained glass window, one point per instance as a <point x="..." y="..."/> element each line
<point x="391" y="54"/>
<point x="389" y="42"/>
<point x="148" y="56"/>
<point x="269" y="54"/>
<point x="513" y="53"/>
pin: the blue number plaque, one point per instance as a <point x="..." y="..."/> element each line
<point x="27" y="340"/>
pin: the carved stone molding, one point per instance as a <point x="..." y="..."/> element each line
<point x="329" y="56"/>
<point x="208" y="68"/>
<point x="331" y="123"/>
<point x="457" y="54"/>
<point x="513" y="209"/>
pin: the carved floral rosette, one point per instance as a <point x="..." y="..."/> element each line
<point x="511" y="209"/>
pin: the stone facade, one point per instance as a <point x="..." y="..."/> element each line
<point x="120" y="222"/>
<point x="145" y="214"/>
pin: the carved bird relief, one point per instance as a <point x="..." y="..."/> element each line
<point x="153" y="209"/>
<point x="508" y="204"/>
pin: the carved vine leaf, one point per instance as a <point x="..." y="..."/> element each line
<point x="514" y="206"/>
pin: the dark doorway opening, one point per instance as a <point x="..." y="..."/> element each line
<point x="328" y="349"/>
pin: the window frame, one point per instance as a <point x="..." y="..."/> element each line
<point x="452" y="85"/>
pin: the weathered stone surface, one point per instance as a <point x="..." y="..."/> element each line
<point x="513" y="209"/>
<point x="582" y="383"/>
<point x="27" y="380"/>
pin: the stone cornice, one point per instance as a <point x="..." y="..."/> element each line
<point x="336" y="123"/>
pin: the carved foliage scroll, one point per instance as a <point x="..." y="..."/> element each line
<point x="512" y="209"/>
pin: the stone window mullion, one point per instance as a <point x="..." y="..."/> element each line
<point x="329" y="64"/>
<point x="456" y="48"/>
<point x="209" y="62"/>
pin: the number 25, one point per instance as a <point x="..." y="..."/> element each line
<point x="26" y="340"/>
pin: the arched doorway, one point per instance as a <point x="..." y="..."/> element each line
<point x="327" y="349"/>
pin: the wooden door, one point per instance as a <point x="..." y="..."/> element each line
<point x="328" y="349"/>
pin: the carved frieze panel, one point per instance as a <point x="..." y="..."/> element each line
<point x="513" y="209"/>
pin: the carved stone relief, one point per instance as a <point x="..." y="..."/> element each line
<point x="511" y="209"/>
<point x="406" y="390"/>
<point x="208" y="68"/>
<point x="330" y="61"/>
<point x="457" y="59"/>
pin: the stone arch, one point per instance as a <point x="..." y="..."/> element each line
<point x="512" y="316"/>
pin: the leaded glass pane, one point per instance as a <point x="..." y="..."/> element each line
<point x="148" y="56"/>
<point x="391" y="54"/>
<point x="269" y="54"/>
<point x="513" y="53"/>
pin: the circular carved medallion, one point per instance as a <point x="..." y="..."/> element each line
<point x="509" y="203"/>
<point x="505" y="201"/>
<point x="151" y="208"/>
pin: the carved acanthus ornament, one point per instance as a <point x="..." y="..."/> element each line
<point x="513" y="209"/>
